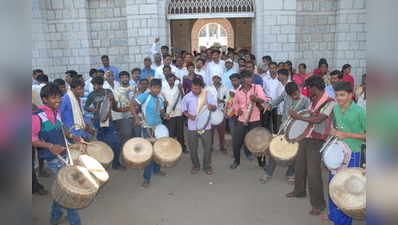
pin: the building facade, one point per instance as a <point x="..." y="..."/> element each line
<point x="73" y="34"/>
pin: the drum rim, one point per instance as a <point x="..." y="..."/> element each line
<point x="325" y="153"/>
<point x="290" y="143"/>
<point x="221" y="116"/>
<point x="303" y="135"/>
<point x="250" y="147"/>
<point x="146" y="142"/>
<point x="155" y="155"/>
<point x="207" y="121"/>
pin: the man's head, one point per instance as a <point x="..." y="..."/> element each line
<point x="335" y="76"/>
<point x="281" y="65"/>
<point x="197" y="85"/>
<point x="293" y="91"/>
<point x="322" y="61"/>
<point x="136" y="74"/>
<point x="316" y="85"/>
<point x="247" y="57"/>
<point x="105" y="60"/>
<point x="208" y="53"/>
<point x="273" y="69"/>
<point x="109" y="76"/>
<point x="51" y="96"/>
<point x="250" y="66"/>
<point x="200" y="63"/>
<point x="215" y="55"/>
<point x="346" y="69"/>
<point x="179" y="62"/>
<point x="267" y="59"/>
<point x="97" y="82"/>
<point x="171" y="78"/>
<point x="166" y="70"/>
<point x="246" y="78"/>
<point x="147" y="62"/>
<point x="235" y="80"/>
<point x="283" y="76"/>
<point x="164" y="50"/>
<point x="42" y="79"/>
<point x="143" y="85"/>
<point x="36" y="73"/>
<point x="69" y="75"/>
<point x="167" y="60"/>
<point x="77" y="87"/>
<point x="229" y="64"/>
<point x="124" y="77"/>
<point x="288" y="65"/>
<point x="190" y="67"/>
<point x="157" y="58"/>
<point x="188" y="58"/>
<point x="61" y="85"/>
<point x="156" y="87"/>
<point x="343" y="90"/>
<point x="302" y="68"/>
<point x="93" y="73"/>
<point x="242" y="64"/>
<point x="323" y="68"/>
<point x="216" y="80"/>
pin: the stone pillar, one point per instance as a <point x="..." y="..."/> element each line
<point x="275" y="28"/>
<point x="351" y="32"/>
<point x="146" y="20"/>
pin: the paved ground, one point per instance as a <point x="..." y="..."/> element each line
<point x="229" y="197"/>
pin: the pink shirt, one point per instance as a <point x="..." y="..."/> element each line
<point x="349" y="78"/>
<point x="242" y="100"/>
<point x="299" y="79"/>
<point x="36" y="124"/>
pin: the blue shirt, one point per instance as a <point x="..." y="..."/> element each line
<point x="113" y="69"/>
<point x="150" y="107"/>
<point x="225" y="78"/>
<point x="67" y="117"/>
<point x="257" y="80"/>
<point x="330" y="91"/>
<point x="145" y="73"/>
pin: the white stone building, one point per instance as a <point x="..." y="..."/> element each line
<point x="73" y="34"/>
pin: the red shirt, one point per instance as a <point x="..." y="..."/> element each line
<point x="349" y="78"/>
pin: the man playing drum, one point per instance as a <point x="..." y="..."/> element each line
<point x="191" y="104"/>
<point x="152" y="107"/>
<point x="47" y="134"/>
<point x="308" y="160"/>
<point x="245" y="105"/>
<point x="292" y="100"/>
<point x="350" y="122"/>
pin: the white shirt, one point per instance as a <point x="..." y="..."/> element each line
<point x="222" y="94"/>
<point x="36" y="99"/>
<point x="171" y="95"/>
<point x="88" y="86"/>
<point x="180" y="73"/>
<point x="159" y="72"/>
<point x="202" y="72"/>
<point x="115" y="115"/>
<point x="215" y="69"/>
<point x="155" y="67"/>
<point x="273" y="87"/>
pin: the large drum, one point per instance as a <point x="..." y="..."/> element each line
<point x="203" y="119"/>
<point x="74" y="187"/>
<point x="283" y="151"/>
<point x="257" y="140"/>
<point x="216" y="117"/>
<point x="137" y="153"/>
<point x="335" y="154"/>
<point x="161" y="131"/>
<point x="104" y="109"/>
<point x="348" y="191"/>
<point x="95" y="168"/>
<point x="97" y="149"/>
<point x="298" y="129"/>
<point x="167" y="151"/>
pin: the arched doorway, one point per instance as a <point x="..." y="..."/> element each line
<point x="208" y="32"/>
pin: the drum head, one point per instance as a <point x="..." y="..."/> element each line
<point x="257" y="140"/>
<point x="137" y="152"/>
<point x="161" y="131"/>
<point x="347" y="189"/>
<point x="333" y="156"/>
<point x="101" y="152"/>
<point x="76" y="150"/>
<point x="167" y="151"/>
<point x="95" y="168"/>
<point x="283" y="150"/>
<point x="104" y="109"/>
<point x="203" y="118"/>
<point x="297" y="128"/>
<point x="77" y="179"/>
<point x="216" y="117"/>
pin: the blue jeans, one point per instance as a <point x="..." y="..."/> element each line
<point x="109" y="136"/>
<point x="55" y="166"/>
<point x="152" y="167"/>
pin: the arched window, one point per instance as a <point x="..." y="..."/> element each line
<point x="211" y="34"/>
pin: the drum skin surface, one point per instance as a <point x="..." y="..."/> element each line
<point x="347" y="190"/>
<point x="74" y="187"/>
<point x="161" y="131"/>
<point x="298" y="129"/>
<point x="167" y="151"/>
<point x="95" y="168"/>
<point x="137" y="153"/>
<point x="257" y="140"/>
<point x="283" y="151"/>
<point x="203" y="119"/>
<point x="216" y="117"/>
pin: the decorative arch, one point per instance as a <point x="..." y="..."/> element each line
<point x="184" y="9"/>
<point x="202" y="22"/>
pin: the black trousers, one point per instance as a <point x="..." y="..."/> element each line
<point x="176" y="129"/>
<point x="36" y="186"/>
<point x="271" y="120"/>
<point x="238" y="138"/>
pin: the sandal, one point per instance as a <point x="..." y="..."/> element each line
<point x="294" y="195"/>
<point x="194" y="170"/>
<point x="209" y="172"/>
<point x="291" y="180"/>
<point x="315" y="212"/>
<point x="265" y="179"/>
<point x="324" y="216"/>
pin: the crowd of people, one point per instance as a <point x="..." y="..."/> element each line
<point x="168" y="90"/>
